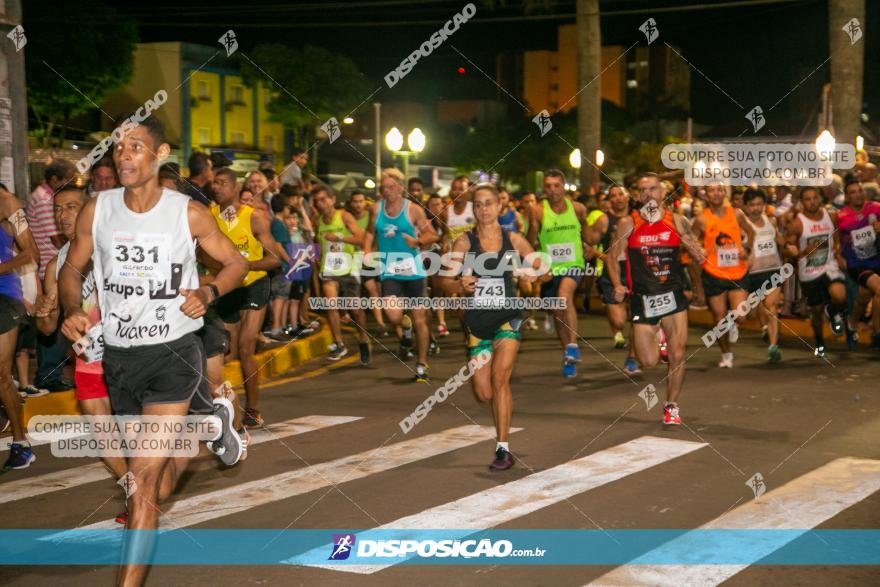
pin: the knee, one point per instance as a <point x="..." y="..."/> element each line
<point x="676" y="355"/>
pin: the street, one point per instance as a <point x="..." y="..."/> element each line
<point x="309" y="470"/>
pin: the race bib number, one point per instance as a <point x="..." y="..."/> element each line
<point x="765" y="248"/>
<point x="336" y="262"/>
<point x="91" y="346"/>
<point x="863" y="241"/>
<point x="489" y="292"/>
<point x="405" y="266"/>
<point x="728" y="257"/>
<point x="141" y="255"/>
<point x="562" y="253"/>
<point x="659" y="305"/>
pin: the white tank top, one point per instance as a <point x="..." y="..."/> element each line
<point x="460" y="223"/>
<point x="765" y="254"/>
<point x="816" y="237"/>
<point x="141" y="261"/>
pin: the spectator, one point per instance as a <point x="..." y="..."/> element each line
<point x="201" y="174"/>
<point x="103" y="177"/>
<point x="274" y="185"/>
<point x="169" y="177"/>
<point x="415" y="188"/>
<point x="219" y="160"/>
<point x="292" y="174"/>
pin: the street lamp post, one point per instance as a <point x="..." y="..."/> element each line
<point x="415" y="141"/>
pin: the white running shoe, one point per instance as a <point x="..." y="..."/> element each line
<point x="726" y="361"/>
<point x="733" y="334"/>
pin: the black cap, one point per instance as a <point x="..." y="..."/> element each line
<point x="218" y="159"/>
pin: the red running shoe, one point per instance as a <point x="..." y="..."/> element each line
<point x="671" y="416"/>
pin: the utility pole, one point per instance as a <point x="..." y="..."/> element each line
<point x="13" y="101"/>
<point x="377" y="141"/>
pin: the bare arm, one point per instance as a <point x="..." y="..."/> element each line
<point x="458" y="284"/>
<point x="792" y="238"/>
<point x="688" y="239"/>
<point x="71" y="276"/>
<point x="233" y="267"/>
<point x="537" y="270"/>
<point x="426" y="234"/>
<point x="535" y="215"/>
<point x="357" y="235"/>
<point x="47" y="311"/>
<point x="746" y="229"/>
<point x="260" y="225"/>
<point x="622" y="230"/>
<point x="14" y="220"/>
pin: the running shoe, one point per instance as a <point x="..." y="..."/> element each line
<point x="631" y="366"/>
<point x="433" y="348"/>
<point x="619" y="340"/>
<point x="733" y="333"/>
<point x="365" y="353"/>
<point x="60" y="385"/>
<point x="245" y="440"/>
<point x="252" y="418"/>
<point x="276" y="334"/>
<point x="20" y="457"/>
<point x="122" y="517"/>
<point x="774" y="355"/>
<point x="228" y="445"/>
<point x="421" y="373"/>
<point x="442" y="329"/>
<point x="726" y="361"/>
<point x="337" y="351"/>
<point x="4" y="420"/>
<point x="765" y="333"/>
<point x="503" y="460"/>
<point x="572" y="353"/>
<point x="569" y="369"/>
<point x="531" y="324"/>
<point x="819" y="352"/>
<point x="835" y="321"/>
<point x="671" y="416"/>
<point x="852" y="339"/>
<point x="548" y="324"/>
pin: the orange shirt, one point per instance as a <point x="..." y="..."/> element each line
<point x="723" y="243"/>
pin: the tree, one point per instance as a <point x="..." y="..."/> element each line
<point x="847" y="68"/>
<point x="94" y="54"/>
<point x="307" y="85"/>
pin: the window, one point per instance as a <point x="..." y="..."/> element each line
<point x="236" y="137"/>
<point x="204" y="136"/>
<point x="236" y="94"/>
<point x="203" y="90"/>
<point x="269" y="143"/>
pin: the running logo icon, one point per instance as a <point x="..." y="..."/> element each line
<point x="757" y="485"/>
<point x="229" y="42"/>
<point x="649" y="395"/>
<point x="331" y="129"/>
<point x="853" y="29"/>
<point x="649" y="28"/>
<point x="342" y="545"/>
<point x="18" y="38"/>
<point x="542" y="119"/>
<point x="756" y="117"/>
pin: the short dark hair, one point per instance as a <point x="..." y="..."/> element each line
<point x="199" y="163"/>
<point x="813" y="188"/>
<point x="752" y="193"/>
<point x="269" y="173"/>
<point x="106" y="161"/>
<point x="417" y="180"/>
<point x="320" y="188"/>
<point x="170" y="171"/>
<point x="289" y="190"/>
<point x="297" y="152"/>
<point x="279" y="203"/>
<point x="555" y="173"/>
<point x="227" y="172"/>
<point x="154" y="126"/>
<point x="850" y="179"/>
<point x="357" y="193"/>
<point x="646" y="174"/>
<point x="69" y="187"/>
<point x="60" y="168"/>
<point x="462" y="178"/>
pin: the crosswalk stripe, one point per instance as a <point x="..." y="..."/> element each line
<point x="800" y="504"/>
<point x="76" y="476"/>
<point x="503" y="503"/>
<point x="242" y="497"/>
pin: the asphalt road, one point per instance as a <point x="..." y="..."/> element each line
<point x="783" y="421"/>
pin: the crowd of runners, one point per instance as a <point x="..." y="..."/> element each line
<point x="157" y="281"/>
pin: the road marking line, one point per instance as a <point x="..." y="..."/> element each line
<point x="68" y="478"/>
<point x="800" y="504"/>
<point x="498" y="505"/>
<point x="239" y="498"/>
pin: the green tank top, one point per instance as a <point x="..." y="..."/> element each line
<point x="560" y="238"/>
<point x="337" y="258"/>
<point x="363" y="221"/>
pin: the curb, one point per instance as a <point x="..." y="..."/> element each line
<point x="273" y="362"/>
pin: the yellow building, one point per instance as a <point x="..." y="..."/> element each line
<point x="208" y="107"/>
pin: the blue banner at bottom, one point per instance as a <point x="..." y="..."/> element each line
<point x="382" y="548"/>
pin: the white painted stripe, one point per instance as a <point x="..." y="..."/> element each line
<point x="802" y="503"/>
<point x="503" y="503"/>
<point x="242" y="497"/>
<point x="74" y="477"/>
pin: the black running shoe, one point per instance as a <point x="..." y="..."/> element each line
<point x="434" y="348"/>
<point x="421" y="373"/>
<point x="337" y="351"/>
<point x="503" y="460"/>
<point x="836" y="321"/>
<point x="365" y="353"/>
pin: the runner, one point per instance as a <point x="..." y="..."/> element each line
<point x="765" y="260"/>
<point x="401" y="230"/>
<point x="357" y="205"/>
<point x="144" y="255"/>
<point x="244" y="308"/>
<point x="812" y="239"/>
<point x="617" y="312"/>
<point x="458" y="216"/>
<point x="14" y="232"/>
<point x="560" y="227"/>
<point x="727" y="238"/>
<point x="858" y="224"/>
<point x="434" y="211"/>
<point x="652" y="239"/>
<point x="492" y="331"/>
<point x="340" y="236"/>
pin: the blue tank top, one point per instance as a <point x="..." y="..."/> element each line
<point x="508" y="221"/>
<point x="10" y="284"/>
<point x="399" y="260"/>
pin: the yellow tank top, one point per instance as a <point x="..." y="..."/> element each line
<point x="237" y="227"/>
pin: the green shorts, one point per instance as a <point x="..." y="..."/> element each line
<point x="509" y="329"/>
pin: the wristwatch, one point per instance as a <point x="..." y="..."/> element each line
<point x="215" y="293"/>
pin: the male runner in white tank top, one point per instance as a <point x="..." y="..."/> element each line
<point x="141" y="239"/>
